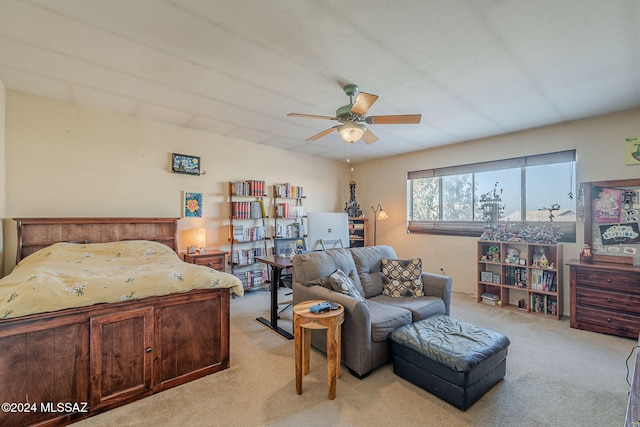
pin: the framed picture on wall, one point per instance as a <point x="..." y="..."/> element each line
<point x="183" y="163"/>
<point x="192" y="205"/>
<point x="632" y="151"/>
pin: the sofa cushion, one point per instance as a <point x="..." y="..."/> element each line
<point x="401" y="278"/>
<point x="367" y="261"/>
<point x="385" y="319"/>
<point x="420" y="308"/>
<point x="314" y="268"/>
<point x="340" y="282"/>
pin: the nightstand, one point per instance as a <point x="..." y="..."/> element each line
<point x="213" y="258"/>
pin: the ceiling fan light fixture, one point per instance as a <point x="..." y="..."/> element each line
<point x="351" y="132"/>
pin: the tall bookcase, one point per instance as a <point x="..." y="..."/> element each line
<point x="248" y="231"/>
<point x="289" y="216"/>
<point x="358" y="232"/>
<point x="521" y="276"/>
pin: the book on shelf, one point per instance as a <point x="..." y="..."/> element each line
<point x="253" y="278"/>
<point x="515" y="276"/>
<point x="248" y="210"/>
<point x="543" y="280"/>
<point x="545" y="304"/>
<point x="248" y="188"/>
<point x="285" y="210"/>
<point x="288" y="231"/>
<point x="248" y="234"/>
<point x="288" y="191"/>
<point x="246" y="256"/>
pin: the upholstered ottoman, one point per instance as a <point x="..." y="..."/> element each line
<point x="457" y="361"/>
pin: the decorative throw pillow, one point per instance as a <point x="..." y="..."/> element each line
<point x="340" y="282"/>
<point x="401" y="277"/>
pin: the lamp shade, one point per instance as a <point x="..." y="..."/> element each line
<point x="382" y="215"/>
<point x="351" y="132"/>
<point x="201" y="237"/>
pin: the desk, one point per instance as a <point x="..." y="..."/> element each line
<point x="303" y="321"/>
<point x="277" y="265"/>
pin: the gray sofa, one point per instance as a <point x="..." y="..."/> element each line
<point x="368" y="324"/>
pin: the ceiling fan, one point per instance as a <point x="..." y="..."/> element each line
<point x="354" y="114"/>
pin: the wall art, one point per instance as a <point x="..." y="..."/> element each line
<point x="192" y="205"/>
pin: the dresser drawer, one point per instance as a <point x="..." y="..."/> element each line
<point x="618" y="323"/>
<point x="607" y="279"/>
<point x="608" y="300"/>
<point x="215" y="261"/>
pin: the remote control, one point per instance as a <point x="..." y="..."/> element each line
<point x="320" y="307"/>
<point x="323" y="306"/>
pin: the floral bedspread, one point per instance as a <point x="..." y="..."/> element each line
<point x="66" y="275"/>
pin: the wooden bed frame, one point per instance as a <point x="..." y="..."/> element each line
<point x="91" y="359"/>
<point x="37" y="233"/>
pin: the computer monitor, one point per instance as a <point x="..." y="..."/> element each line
<point x="326" y="230"/>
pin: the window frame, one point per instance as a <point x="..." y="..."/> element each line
<point x="475" y="228"/>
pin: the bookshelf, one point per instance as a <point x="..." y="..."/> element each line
<point x="358" y="232"/>
<point x="521" y="276"/>
<point x="247" y="231"/>
<point x="289" y="216"/>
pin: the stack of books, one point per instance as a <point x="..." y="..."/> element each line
<point x="491" y="299"/>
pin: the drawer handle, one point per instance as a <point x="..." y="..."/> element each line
<point x="148" y="350"/>
<point x="609" y="300"/>
<point x="609" y="320"/>
<point x="608" y="280"/>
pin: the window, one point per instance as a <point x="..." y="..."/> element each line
<point x="532" y="188"/>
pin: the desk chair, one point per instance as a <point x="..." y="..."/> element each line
<point x="283" y="247"/>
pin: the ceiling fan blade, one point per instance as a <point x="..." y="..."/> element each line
<point x="369" y="137"/>
<point x="323" y="133"/>
<point x="364" y="101"/>
<point x="311" y="116"/>
<point x="400" y="119"/>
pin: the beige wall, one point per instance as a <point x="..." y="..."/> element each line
<point x="600" y="149"/>
<point x="67" y="160"/>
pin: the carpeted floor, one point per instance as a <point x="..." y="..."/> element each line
<point x="556" y="376"/>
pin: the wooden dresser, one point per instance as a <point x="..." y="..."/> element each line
<point x="605" y="297"/>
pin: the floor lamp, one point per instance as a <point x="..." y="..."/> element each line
<point x="378" y="215"/>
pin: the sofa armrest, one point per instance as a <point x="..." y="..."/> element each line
<point x="305" y="293"/>
<point x="438" y="285"/>
<point x="356" y="330"/>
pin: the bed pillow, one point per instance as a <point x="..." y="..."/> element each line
<point x="340" y="282"/>
<point x="401" y="277"/>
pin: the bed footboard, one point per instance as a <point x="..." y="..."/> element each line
<point x="60" y="367"/>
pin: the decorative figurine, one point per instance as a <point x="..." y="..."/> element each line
<point x="352" y="208"/>
<point x="586" y="255"/>
<point x="512" y="255"/>
<point x="494" y="253"/>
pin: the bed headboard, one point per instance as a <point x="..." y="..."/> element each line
<point x="37" y="233"/>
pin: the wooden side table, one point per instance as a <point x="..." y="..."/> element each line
<point x="212" y="258"/>
<point x="303" y="321"/>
